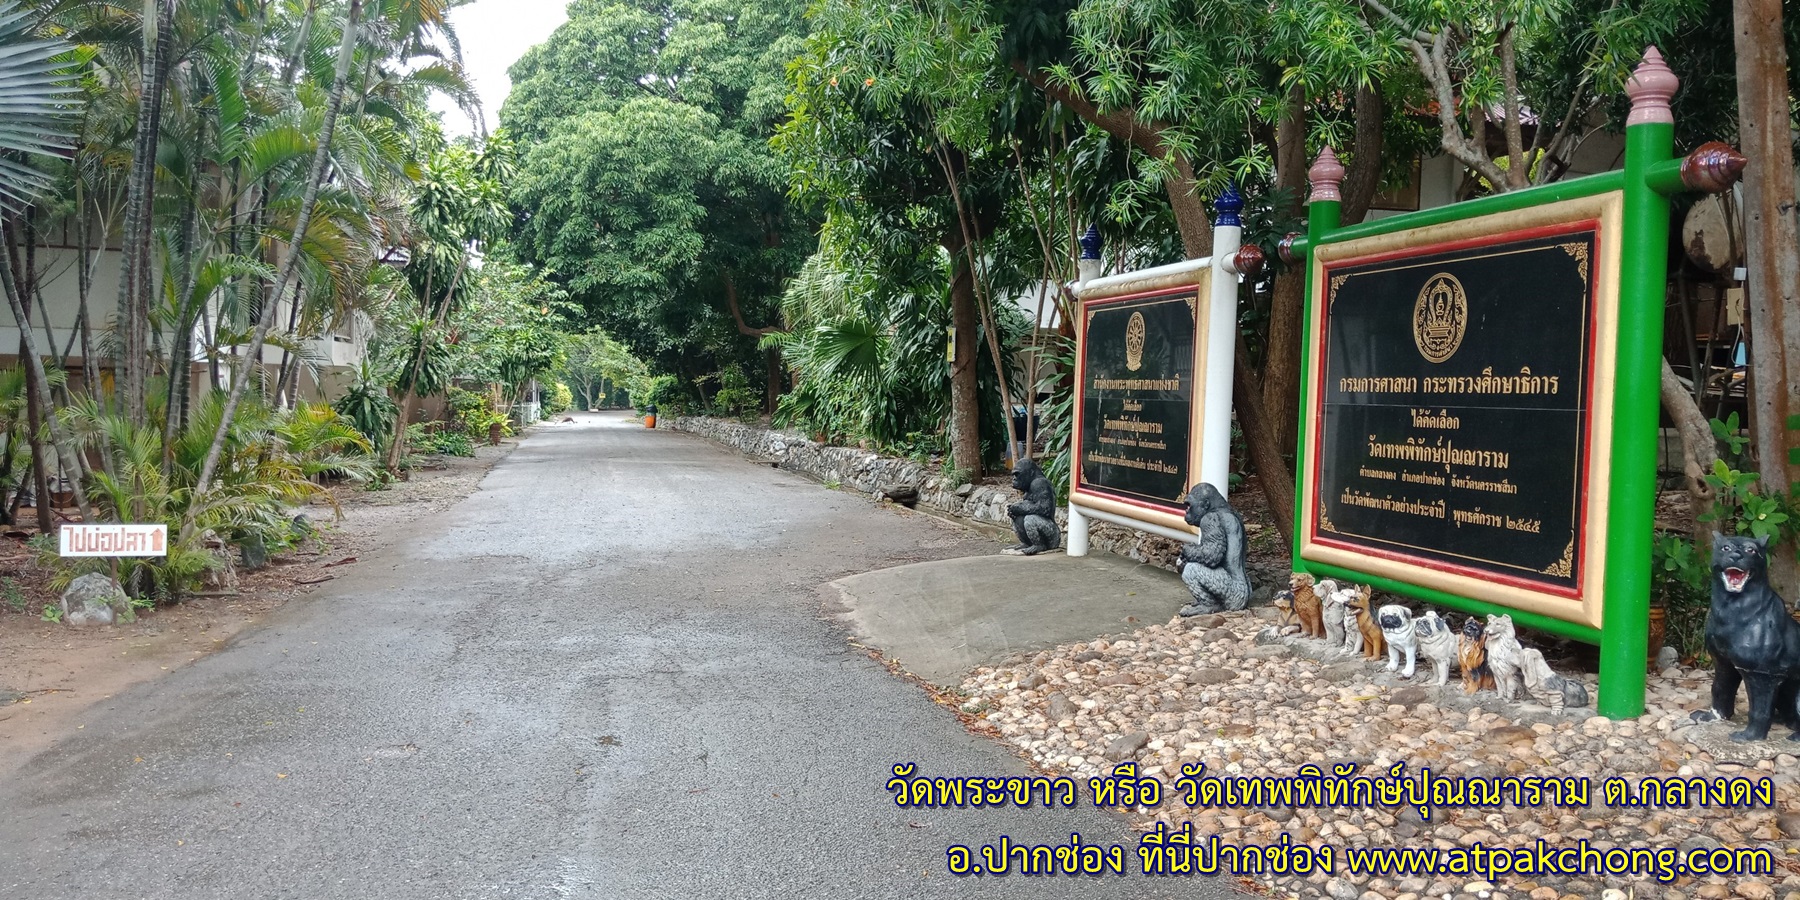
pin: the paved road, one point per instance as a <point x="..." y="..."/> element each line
<point x="604" y="675"/>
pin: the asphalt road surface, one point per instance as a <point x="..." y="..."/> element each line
<point x="606" y="675"/>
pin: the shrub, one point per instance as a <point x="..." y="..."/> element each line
<point x="473" y="413"/>
<point x="558" y="399"/>
<point x="442" y="442"/>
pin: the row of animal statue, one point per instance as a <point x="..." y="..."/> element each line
<point x="1488" y="654"/>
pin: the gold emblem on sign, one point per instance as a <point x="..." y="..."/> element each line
<point x="1440" y="317"/>
<point x="1134" y="342"/>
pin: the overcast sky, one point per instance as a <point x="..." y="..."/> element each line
<point x="494" y="33"/>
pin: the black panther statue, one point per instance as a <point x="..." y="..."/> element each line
<point x="1034" y="517"/>
<point x="1752" y="640"/>
<point x="1213" y="566"/>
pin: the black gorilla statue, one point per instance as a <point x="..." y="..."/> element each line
<point x="1213" y="566"/>
<point x="1034" y="517"/>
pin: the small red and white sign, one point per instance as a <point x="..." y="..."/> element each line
<point x="115" y="540"/>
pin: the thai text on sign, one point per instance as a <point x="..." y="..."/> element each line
<point x="114" y="540"/>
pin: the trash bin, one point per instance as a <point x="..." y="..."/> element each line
<point x="650" y="416"/>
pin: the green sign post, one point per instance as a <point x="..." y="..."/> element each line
<point x="1449" y="454"/>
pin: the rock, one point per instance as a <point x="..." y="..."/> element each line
<point x="1122" y="678"/>
<point x="1033" y="681"/>
<point x="1755" y="890"/>
<point x="1341" y="889"/>
<point x="94" y="599"/>
<point x="1544" y="893"/>
<point x="1712" y="892"/>
<point x="254" y="552"/>
<point x="1668" y="657"/>
<point x="1126" y="746"/>
<point x="1612" y="894"/>
<point x="963" y="490"/>
<point x="1409" y="697"/>
<point x="1088" y="656"/>
<point x="1344" y="671"/>
<point x="1269" y="635"/>
<point x="1789" y="825"/>
<point x="1270" y="651"/>
<point x="1211" y="676"/>
<point x="1218" y="634"/>
<point x="1210" y="620"/>
<point x="1511" y="734"/>
<point x="1060" y="708"/>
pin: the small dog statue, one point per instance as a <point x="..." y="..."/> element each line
<point x="1352" y="638"/>
<point x="1334" y="618"/>
<point x="1471" y="655"/>
<point x="1357" y="611"/>
<point x="1396" y="623"/>
<point x="1286" y="621"/>
<point x="1547" y="687"/>
<point x="1306" y="605"/>
<point x="1503" y="650"/>
<point x="1437" y="642"/>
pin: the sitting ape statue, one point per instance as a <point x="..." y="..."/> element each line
<point x="1213" y="566"/>
<point x="1033" y="518"/>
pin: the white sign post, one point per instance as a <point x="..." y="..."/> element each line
<point x="113" y="540"/>
<point x="1203" y="451"/>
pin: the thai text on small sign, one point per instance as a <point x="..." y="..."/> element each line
<point x="114" y="540"/>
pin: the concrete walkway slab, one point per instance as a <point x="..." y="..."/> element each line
<point x="941" y="619"/>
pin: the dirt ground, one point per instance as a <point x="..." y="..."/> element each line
<point x="51" y="674"/>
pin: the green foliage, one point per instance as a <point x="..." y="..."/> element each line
<point x="12" y="595"/>
<point x="37" y="92"/>
<point x="474" y="414"/>
<point x="558" y="399"/>
<point x="1680" y="582"/>
<point x="735" y="397"/>
<point x="370" y="410"/>
<point x="649" y="189"/>
<point x="52" y="613"/>
<point x="273" y="462"/>
<point x="440" y="441"/>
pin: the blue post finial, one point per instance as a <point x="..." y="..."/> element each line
<point x="1090" y="243"/>
<point x="1227" y="207"/>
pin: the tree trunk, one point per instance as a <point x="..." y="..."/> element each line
<point x="134" y="290"/>
<point x="1772" y="254"/>
<point x="1699" y="449"/>
<point x="1281" y="352"/>
<point x="773" y="397"/>
<point x="266" y="317"/>
<point x="965" y="393"/>
<point x="1273" y="474"/>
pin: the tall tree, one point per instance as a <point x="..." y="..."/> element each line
<point x="649" y="189"/>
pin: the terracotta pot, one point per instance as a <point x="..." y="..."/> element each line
<point x="496" y="431"/>
<point x="1658" y="631"/>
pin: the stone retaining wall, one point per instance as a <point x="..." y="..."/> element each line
<point x="867" y="472"/>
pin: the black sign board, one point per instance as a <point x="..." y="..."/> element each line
<point x="1453" y="430"/>
<point x="1137" y="398"/>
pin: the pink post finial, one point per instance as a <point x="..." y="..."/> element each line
<point x="1651" y="86"/>
<point x="1327" y="176"/>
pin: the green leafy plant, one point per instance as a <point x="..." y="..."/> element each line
<point x="475" y="414"/>
<point x="367" y="405"/>
<point x="443" y="442"/>
<point x="735" y="397"/>
<point x="52" y="613"/>
<point x="12" y="594"/>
